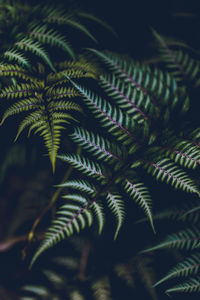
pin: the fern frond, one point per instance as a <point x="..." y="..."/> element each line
<point x="189" y="266"/>
<point x="165" y="170"/>
<point x="98" y="211"/>
<point x="16" y="56"/>
<point x="47" y="104"/>
<point x="50" y="36"/>
<point x="116" y="205"/>
<point x="139" y="192"/>
<point x="24" y="105"/>
<point x="126" y="146"/>
<point x="188" y="239"/>
<point x="80" y="185"/>
<point x="18" y="91"/>
<point x="83" y="164"/>
<point x="36" y="48"/>
<point x="67" y="19"/>
<point x="98" y="146"/>
<point x="189" y="286"/>
<point x="15" y="71"/>
<point x="110" y="117"/>
<point x="72" y="217"/>
<point x="180" y="63"/>
<point x="126" y="97"/>
<point x="184" y="153"/>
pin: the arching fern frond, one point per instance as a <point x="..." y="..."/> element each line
<point x="39" y="30"/>
<point x="123" y="148"/>
<point x="46" y="103"/>
<point x="189" y="286"/>
<point x="167" y="171"/>
<point x="189" y="266"/>
<point x="188" y="239"/>
<point x="179" y="62"/>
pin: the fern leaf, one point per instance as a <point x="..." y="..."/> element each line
<point x="52" y="37"/>
<point x="166" y="170"/>
<point x="21" y="106"/>
<point x="181" y="65"/>
<point x="98" y="211"/>
<point x="18" y="91"/>
<point x="116" y="205"/>
<point x="108" y="115"/>
<point x="190" y="266"/>
<point x="83" y="164"/>
<point x="15" y="71"/>
<point x="89" y="16"/>
<point x="95" y="144"/>
<point x="126" y="97"/>
<point x="35" y="48"/>
<point x="188" y="239"/>
<point x="72" y="216"/>
<point x="141" y="195"/>
<point x="80" y="185"/>
<point x="184" y="153"/>
<point x="15" y="56"/>
<point x="189" y="286"/>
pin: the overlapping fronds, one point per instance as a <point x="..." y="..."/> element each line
<point x="117" y="154"/>
<point x="187" y="238"/>
<point x="178" y="60"/>
<point x="44" y="99"/>
<point x="63" y="276"/>
<point x="190" y="266"/>
<point x="35" y="32"/>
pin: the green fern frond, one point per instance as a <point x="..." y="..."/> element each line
<point x="141" y="195"/>
<point x="189" y="266"/>
<point x="50" y="36"/>
<point x="15" y="71"/>
<point x="18" y="91"/>
<point x="167" y="171"/>
<point x="98" y="146"/>
<point x="80" y="185"/>
<point x="155" y="87"/>
<point x="184" y="153"/>
<point x="98" y="211"/>
<point x="35" y="48"/>
<point x="179" y="62"/>
<point x="72" y="217"/>
<point x="109" y="115"/>
<point x="46" y="104"/>
<point x="189" y="286"/>
<point x="16" y="56"/>
<point x="116" y="205"/>
<point x="188" y="239"/>
<point x="124" y="147"/>
<point x="83" y="164"/>
<point x="24" y="105"/>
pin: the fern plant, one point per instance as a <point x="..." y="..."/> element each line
<point x="28" y="32"/>
<point x="126" y="148"/>
<point x="45" y="99"/>
<point x="77" y="275"/>
<point x="187" y="241"/>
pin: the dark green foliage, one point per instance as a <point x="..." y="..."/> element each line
<point x="64" y="276"/>
<point x="29" y="33"/>
<point x="115" y="162"/>
<point x="46" y="99"/>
